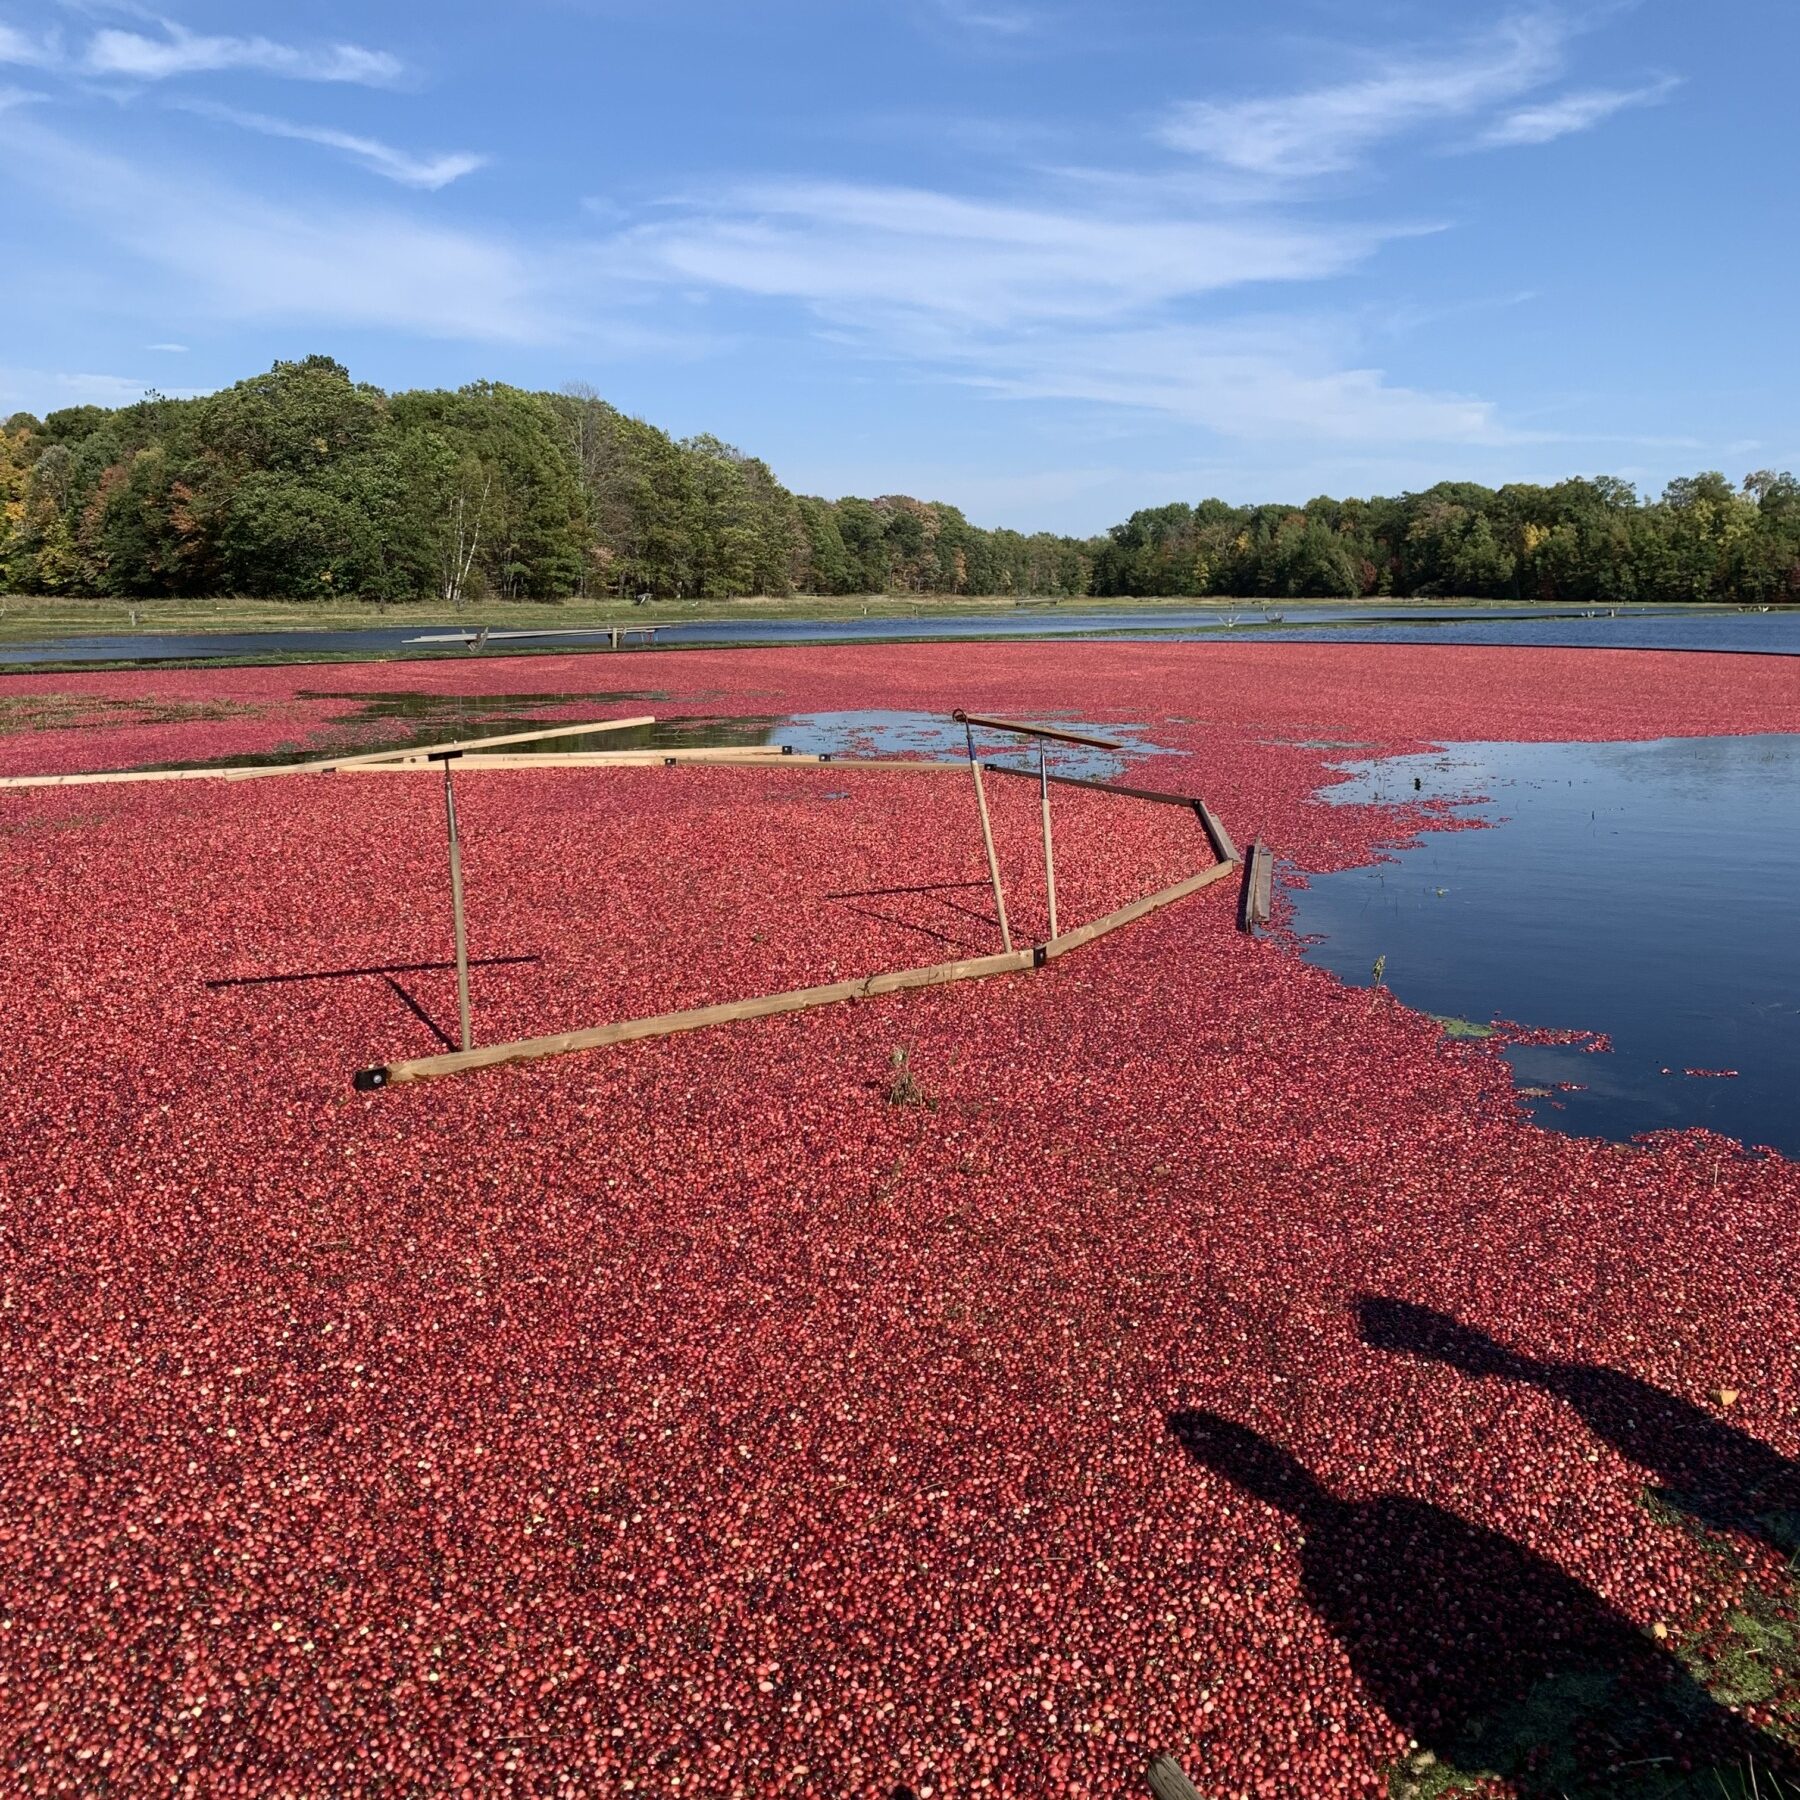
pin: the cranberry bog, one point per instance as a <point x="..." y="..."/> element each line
<point x="981" y="1388"/>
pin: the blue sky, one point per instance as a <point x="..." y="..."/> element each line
<point x="1048" y="261"/>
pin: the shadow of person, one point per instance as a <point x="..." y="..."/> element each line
<point x="1712" y="1471"/>
<point x="1490" y="1656"/>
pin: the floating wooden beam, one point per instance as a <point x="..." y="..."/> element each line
<point x="1039" y="731"/>
<point x="427" y="1068"/>
<point x="1257" y="894"/>
<point x="326" y="764"/>
<point x="650" y="759"/>
<point x="1085" y="934"/>
<point x="1223" y="848"/>
<point x="668" y="1024"/>
<point x="592" y="759"/>
<point x="1102" y="787"/>
<point x="1167" y="1780"/>
<point x="103" y="777"/>
<point x="323" y="766"/>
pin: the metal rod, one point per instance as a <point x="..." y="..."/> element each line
<point x="1049" y="854"/>
<point x="987" y="838"/>
<point x="456" y="903"/>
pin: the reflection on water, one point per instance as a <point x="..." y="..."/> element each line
<point x="1643" y="890"/>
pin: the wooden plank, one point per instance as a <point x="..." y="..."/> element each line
<point x="1257" y="895"/>
<point x="1223" y="848"/>
<point x="1040" y="731"/>
<point x="589" y="759"/>
<point x="625" y="759"/>
<point x="1085" y="934"/>
<point x="325" y="765"/>
<point x="1100" y="787"/>
<point x="1167" y="1780"/>
<point x="993" y="862"/>
<point x="252" y="771"/>
<point x="104" y="777"/>
<point x="694" y="1019"/>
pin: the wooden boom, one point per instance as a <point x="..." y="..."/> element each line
<point x="426" y="1068"/>
<point x="1040" y="731"/>
<point x="322" y="766"/>
<point x="325" y="764"/>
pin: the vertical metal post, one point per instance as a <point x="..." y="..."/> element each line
<point x="987" y="838"/>
<point x="1049" y="854"/>
<point x="456" y="903"/>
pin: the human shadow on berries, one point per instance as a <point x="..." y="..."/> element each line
<point x="1716" y="1474"/>
<point x="1497" y="1662"/>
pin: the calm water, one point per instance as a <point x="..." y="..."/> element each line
<point x="1644" y="890"/>
<point x="1642" y="629"/>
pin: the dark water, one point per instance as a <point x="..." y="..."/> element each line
<point x="407" y="721"/>
<point x="1764" y="634"/>
<point x="1643" y="890"/>
<point x="1650" y="628"/>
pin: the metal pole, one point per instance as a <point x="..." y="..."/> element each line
<point x="1049" y="854"/>
<point x="456" y="902"/>
<point x="987" y="838"/>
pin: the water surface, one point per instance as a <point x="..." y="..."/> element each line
<point x="1639" y="628"/>
<point x="1643" y="890"/>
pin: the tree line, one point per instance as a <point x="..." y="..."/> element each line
<point x="302" y="483"/>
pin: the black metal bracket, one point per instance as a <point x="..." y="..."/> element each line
<point x="366" y="1081"/>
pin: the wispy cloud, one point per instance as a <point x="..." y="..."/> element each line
<point x="998" y="20"/>
<point x="18" y="48"/>
<point x="195" y="245"/>
<point x="1268" y="380"/>
<point x="1063" y="302"/>
<point x="1326" y="129"/>
<point x="44" y="390"/>
<point x="140" y="57"/>
<point x="397" y="165"/>
<point x="234" y="253"/>
<point x="1568" y="113"/>
<point x="883" y="250"/>
<point x="171" y="349"/>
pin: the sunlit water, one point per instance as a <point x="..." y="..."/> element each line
<point x="1643" y="890"/>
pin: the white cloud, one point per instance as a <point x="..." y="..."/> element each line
<point x="860" y="249"/>
<point x="1572" y="112"/>
<point x="32" y="53"/>
<point x="1326" y="129"/>
<point x="45" y="390"/>
<point x="974" y="15"/>
<point x="1273" y="380"/>
<point x="397" y="165"/>
<point x="170" y="349"/>
<point x="1041" y="302"/>
<point x="136" y="56"/>
<point x="236" y="254"/>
